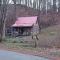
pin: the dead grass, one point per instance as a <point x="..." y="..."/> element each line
<point x="50" y="37"/>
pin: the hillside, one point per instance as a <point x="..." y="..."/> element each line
<point x="21" y="10"/>
<point x="45" y="20"/>
<point x="50" y="37"/>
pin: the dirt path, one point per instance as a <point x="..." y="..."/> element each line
<point x="45" y="53"/>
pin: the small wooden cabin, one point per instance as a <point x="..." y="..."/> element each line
<point x="25" y="26"/>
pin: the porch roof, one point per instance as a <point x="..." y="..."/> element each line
<point x="25" y="21"/>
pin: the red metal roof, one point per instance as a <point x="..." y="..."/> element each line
<point x="25" y="21"/>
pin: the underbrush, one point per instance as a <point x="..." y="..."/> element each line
<point x="55" y="53"/>
<point x="18" y="42"/>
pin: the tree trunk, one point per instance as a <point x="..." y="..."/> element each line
<point x="3" y="35"/>
<point x="4" y="18"/>
<point x="20" y="1"/>
<point x="54" y="5"/>
<point x="14" y="9"/>
<point x="34" y="4"/>
<point x="59" y="5"/>
<point x="3" y="11"/>
<point x="44" y="6"/>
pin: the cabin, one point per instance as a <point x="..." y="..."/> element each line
<point x="25" y="26"/>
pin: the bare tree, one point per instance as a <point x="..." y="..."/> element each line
<point x="3" y="12"/>
<point x="34" y="4"/>
<point x="20" y="1"/>
<point x="59" y="5"/>
<point x="30" y="3"/>
<point x="14" y="9"/>
<point x="44" y="6"/>
<point x="26" y="1"/>
<point x="54" y="5"/>
<point x="38" y="18"/>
